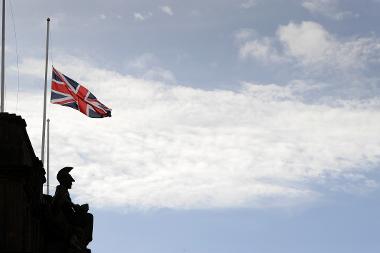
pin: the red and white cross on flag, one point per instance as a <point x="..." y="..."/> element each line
<point x="67" y="92"/>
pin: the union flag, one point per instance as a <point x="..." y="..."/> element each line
<point x="67" y="92"/>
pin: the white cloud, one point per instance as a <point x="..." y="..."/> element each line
<point x="328" y="8"/>
<point x="308" y="42"/>
<point x="178" y="147"/>
<point x="159" y="74"/>
<point x="244" y="34"/>
<point x="143" y="61"/>
<point x="311" y="45"/>
<point x="249" y="4"/>
<point x="142" y="16"/>
<point x="167" y="9"/>
<point x="262" y="50"/>
<point x="103" y="16"/>
<point x="31" y="66"/>
<point x="148" y="67"/>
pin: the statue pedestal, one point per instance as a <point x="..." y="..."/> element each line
<point x="21" y="182"/>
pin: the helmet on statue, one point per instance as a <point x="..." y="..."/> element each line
<point x="64" y="175"/>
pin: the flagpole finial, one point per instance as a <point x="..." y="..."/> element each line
<point x="48" y="19"/>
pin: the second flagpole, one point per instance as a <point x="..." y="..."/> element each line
<point x="45" y="94"/>
<point x="48" y="157"/>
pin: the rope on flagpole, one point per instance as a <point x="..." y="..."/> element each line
<point x="51" y="52"/>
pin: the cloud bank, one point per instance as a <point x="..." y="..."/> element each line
<point x="309" y="45"/>
<point x="171" y="146"/>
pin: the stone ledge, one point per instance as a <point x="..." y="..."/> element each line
<point x="12" y="119"/>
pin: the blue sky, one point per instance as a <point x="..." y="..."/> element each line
<point x="347" y="224"/>
<point x="238" y="126"/>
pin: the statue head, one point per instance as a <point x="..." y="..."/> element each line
<point x="64" y="178"/>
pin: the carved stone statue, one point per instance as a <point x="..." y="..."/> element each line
<point x="72" y="222"/>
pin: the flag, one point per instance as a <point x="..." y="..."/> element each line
<point x="67" y="92"/>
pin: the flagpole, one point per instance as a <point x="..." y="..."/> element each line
<point x="47" y="156"/>
<point x="45" y="93"/>
<point x="2" y="57"/>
